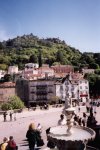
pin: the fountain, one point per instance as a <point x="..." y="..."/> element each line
<point x="70" y="137"/>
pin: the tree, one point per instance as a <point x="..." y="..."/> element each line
<point x="40" y="58"/>
<point x="33" y="58"/>
<point x="55" y="99"/>
<point x="97" y="71"/>
<point x="94" y="84"/>
<point x="3" y="66"/>
<point x="14" y="102"/>
<point x="60" y="56"/>
<point x="94" y="66"/>
<point x="6" y="106"/>
<point x="7" y="78"/>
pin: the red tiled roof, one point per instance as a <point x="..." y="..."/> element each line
<point x="7" y="84"/>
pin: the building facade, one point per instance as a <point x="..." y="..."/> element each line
<point x="2" y="73"/>
<point x="12" y="69"/>
<point x="41" y="90"/>
<point x="7" y="89"/>
<point x="76" y="89"/>
<point x="44" y="90"/>
<point x="63" y="69"/>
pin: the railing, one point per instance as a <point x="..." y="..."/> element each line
<point x="41" y="92"/>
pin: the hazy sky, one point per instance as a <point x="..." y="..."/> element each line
<point x="75" y="21"/>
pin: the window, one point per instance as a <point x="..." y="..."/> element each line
<point x="66" y="83"/>
<point x="73" y="95"/>
<point x="80" y="87"/>
<point x="72" y="88"/>
<point x="61" y="88"/>
<point x="86" y="87"/>
<point x="81" y="93"/>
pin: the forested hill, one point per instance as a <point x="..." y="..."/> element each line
<point x="28" y="48"/>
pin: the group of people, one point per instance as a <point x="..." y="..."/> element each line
<point x="10" y="115"/>
<point x="87" y="119"/>
<point x="77" y="120"/>
<point x="33" y="133"/>
<point x="82" y="121"/>
<point x="8" y="144"/>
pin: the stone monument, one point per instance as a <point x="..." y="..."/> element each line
<point x="69" y="137"/>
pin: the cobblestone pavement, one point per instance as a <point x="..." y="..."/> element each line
<point x="46" y="118"/>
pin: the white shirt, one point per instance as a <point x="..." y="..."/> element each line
<point x="62" y="122"/>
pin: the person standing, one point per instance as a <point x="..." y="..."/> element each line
<point x="10" y="116"/>
<point x="62" y="120"/>
<point x="32" y="135"/>
<point x="84" y="120"/>
<point x="79" y="109"/>
<point x="80" y="121"/>
<point x="5" y="116"/>
<point x="15" y="116"/>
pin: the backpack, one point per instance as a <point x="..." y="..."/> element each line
<point x="11" y="146"/>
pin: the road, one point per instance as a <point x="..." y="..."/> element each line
<point x="18" y="128"/>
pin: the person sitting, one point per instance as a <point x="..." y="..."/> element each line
<point x="12" y="144"/>
<point x="50" y="143"/>
<point x="80" y="121"/>
<point x="91" y="121"/>
<point x="83" y="123"/>
<point x="75" y="120"/>
<point x="61" y="121"/>
<point x="4" y="144"/>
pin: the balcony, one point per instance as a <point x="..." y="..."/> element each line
<point x="41" y="92"/>
<point x="32" y="92"/>
<point x="50" y="91"/>
<point x="41" y="99"/>
<point x="41" y="86"/>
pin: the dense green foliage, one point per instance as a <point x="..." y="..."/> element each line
<point x="29" y="48"/>
<point x="94" y="84"/>
<point x="14" y="102"/>
<point x="52" y="51"/>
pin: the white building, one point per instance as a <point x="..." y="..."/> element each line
<point x="77" y="89"/>
<point x="36" y="73"/>
<point x="43" y="90"/>
<point x="28" y="72"/>
<point x="46" y="71"/>
<point x="2" y="73"/>
<point x="31" y="65"/>
<point x="12" y="69"/>
<point x="88" y="71"/>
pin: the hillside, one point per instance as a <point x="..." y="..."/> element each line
<point x="29" y="48"/>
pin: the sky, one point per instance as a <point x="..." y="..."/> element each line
<point x="77" y="22"/>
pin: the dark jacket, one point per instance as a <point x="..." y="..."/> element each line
<point x="32" y="136"/>
<point x="11" y="145"/>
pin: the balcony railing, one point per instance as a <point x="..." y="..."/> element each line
<point x="41" y="92"/>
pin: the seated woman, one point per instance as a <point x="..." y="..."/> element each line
<point x="91" y="121"/>
<point x="4" y="144"/>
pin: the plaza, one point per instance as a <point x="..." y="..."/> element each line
<point x="47" y="118"/>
